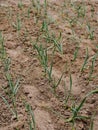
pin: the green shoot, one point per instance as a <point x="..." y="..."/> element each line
<point x="13" y="87"/>
<point x="8" y="105"/>
<point x="7" y="63"/>
<point x="56" y="83"/>
<point x="92" y="122"/>
<point x="69" y="90"/>
<point x="28" y="13"/>
<point x="2" y="48"/>
<point x="20" y="4"/>
<point x="81" y="11"/>
<point x="49" y="71"/>
<point x="44" y="26"/>
<point x="85" y="61"/>
<point x="92" y="66"/>
<point x="9" y="14"/>
<point x="90" y="31"/>
<point x="33" y="2"/>
<point x="72" y="21"/>
<point x="45" y="8"/>
<point x="36" y="5"/>
<point x="92" y="10"/>
<point x="32" y="124"/>
<point x="76" y="109"/>
<point x="75" y="53"/>
<point x="59" y="46"/>
<point x="42" y="56"/>
<point x="56" y="41"/>
<point x="18" y="24"/>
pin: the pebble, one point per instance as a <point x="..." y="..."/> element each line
<point x="83" y="90"/>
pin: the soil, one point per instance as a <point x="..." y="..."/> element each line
<point x="49" y="108"/>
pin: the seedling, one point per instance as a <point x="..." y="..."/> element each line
<point x="32" y="124"/>
<point x="45" y="8"/>
<point x="8" y="105"/>
<point x="43" y="57"/>
<point x="81" y="11"/>
<point x="72" y="21"/>
<point x="2" y="48"/>
<point x="90" y="31"/>
<point x="76" y="109"/>
<point x="36" y="5"/>
<point x="13" y="90"/>
<point x="42" y="53"/>
<point x="28" y="13"/>
<point x="66" y="100"/>
<point x="9" y="14"/>
<point x="44" y="26"/>
<point x="75" y="54"/>
<point x="92" y="67"/>
<point x="92" y="10"/>
<point x="57" y="42"/>
<point x="55" y="84"/>
<point x="18" y="24"/>
<point x="13" y="87"/>
<point x="7" y="63"/>
<point x="20" y="4"/>
<point x="33" y="2"/>
<point x="59" y="46"/>
<point x="85" y="61"/>
<point x="92" y="122"/>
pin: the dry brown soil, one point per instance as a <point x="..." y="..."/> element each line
<point x="35" y="88"/>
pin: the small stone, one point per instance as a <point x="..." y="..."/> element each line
<point x="14" y="117"/>
<point x="83" y="90"/>
<point x="26" y="92"/>
<point x="42" y="83"/>
<point x="30" y="96"/>
<point x="41" y="90"/>
<point x="93" y="101"/>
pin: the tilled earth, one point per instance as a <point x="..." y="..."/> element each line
<point x="50" y="109"/>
